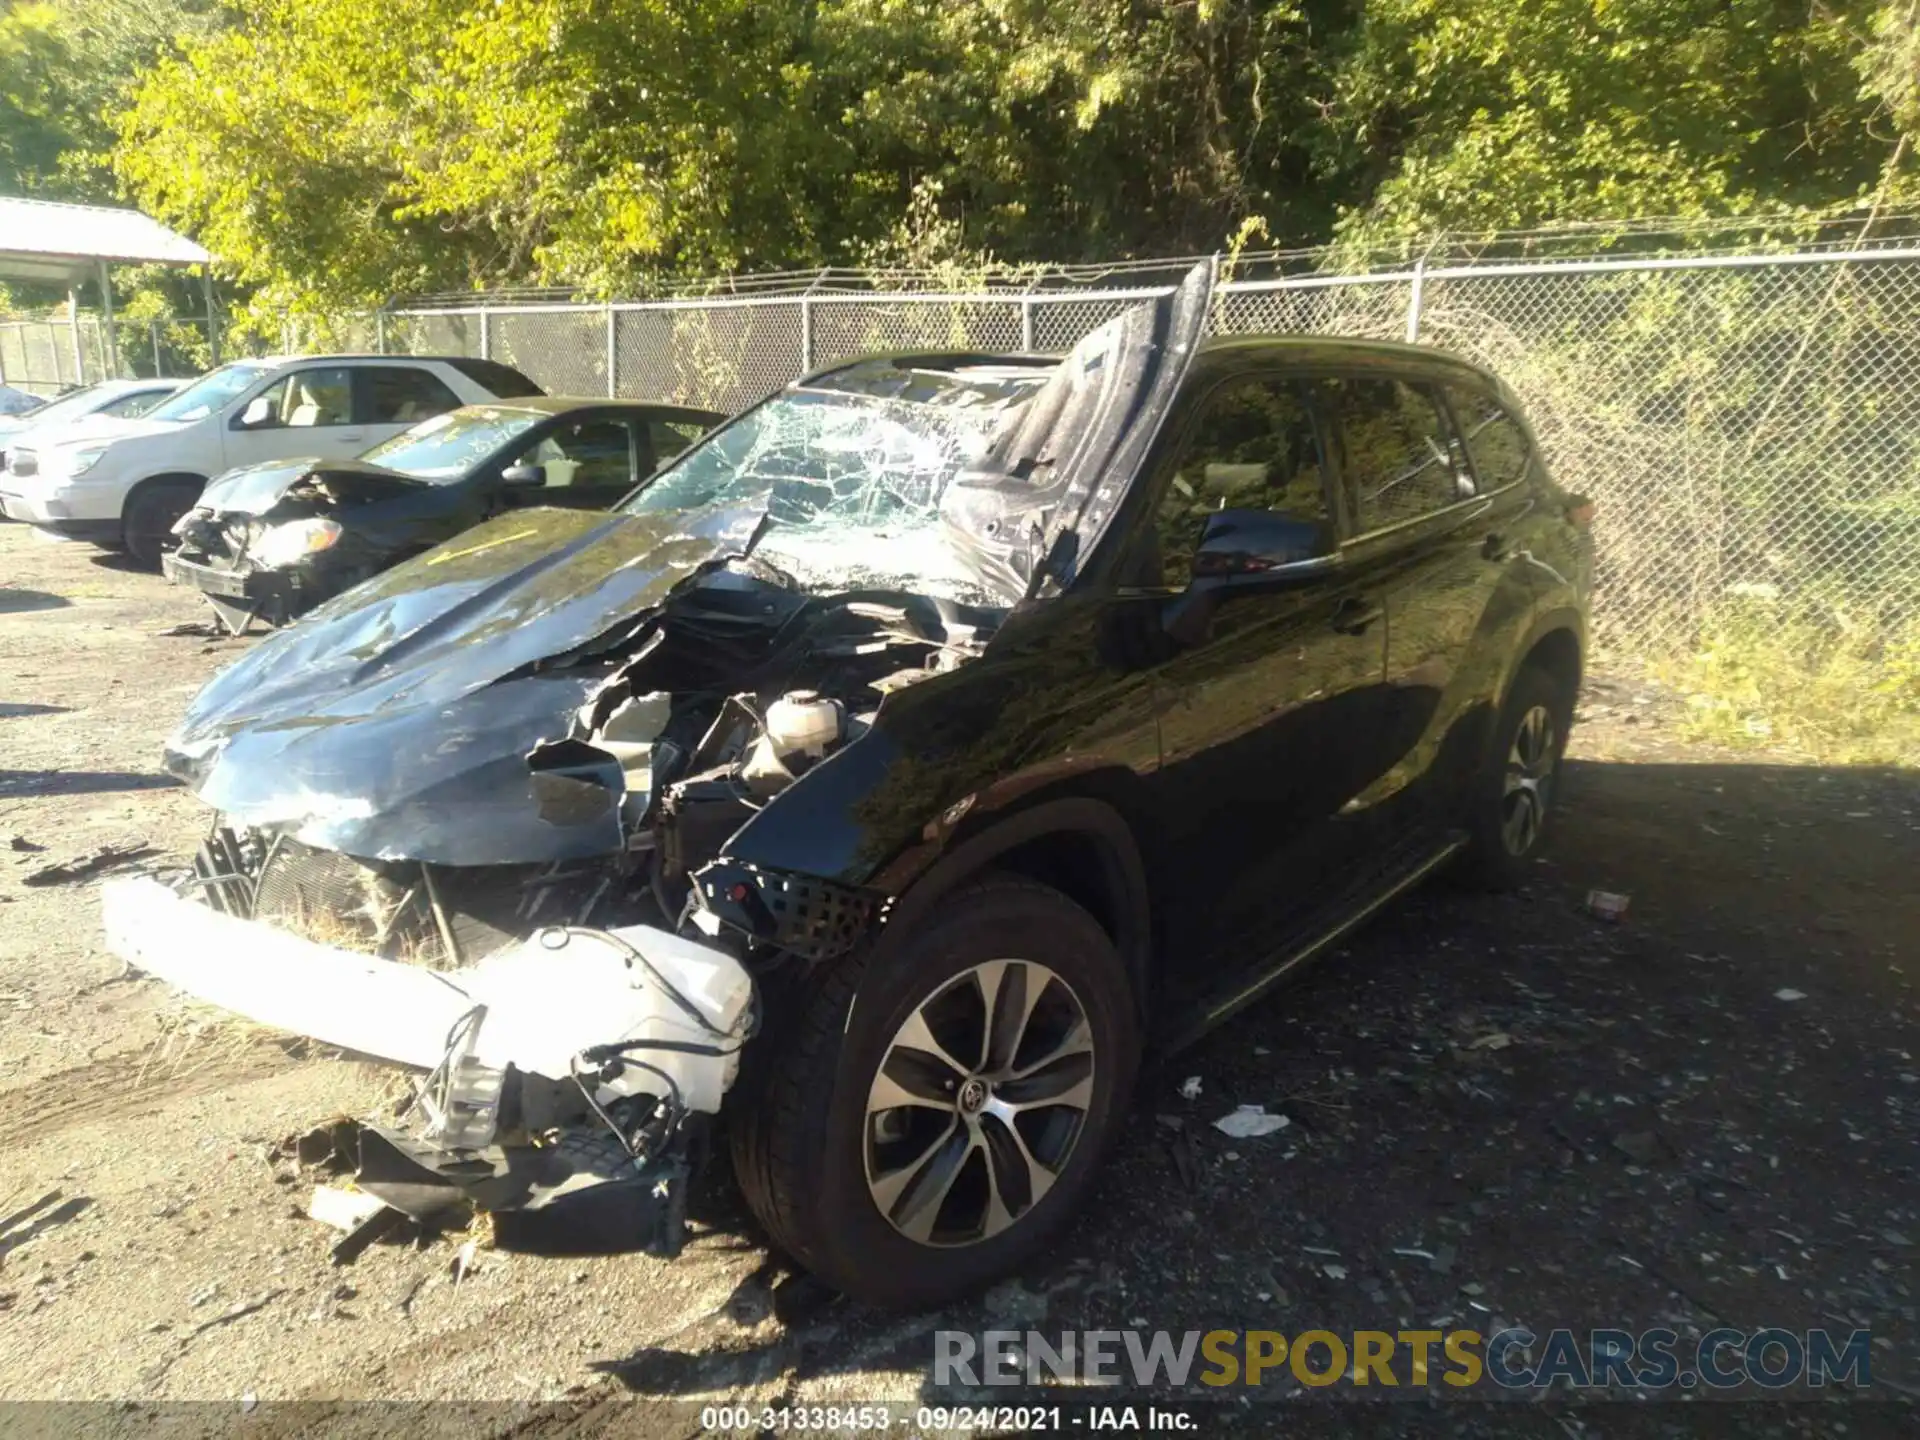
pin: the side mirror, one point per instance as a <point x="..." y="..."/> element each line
<point x="259" y="412"/>
<point x="1252" y="545"/>
<point x="1244" y="552"/>
<point x="524" y="477"/>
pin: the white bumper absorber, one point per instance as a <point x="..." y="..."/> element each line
<point x="540" y="1004"/>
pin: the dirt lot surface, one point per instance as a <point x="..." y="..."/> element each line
<point x="1503" y="1110"/>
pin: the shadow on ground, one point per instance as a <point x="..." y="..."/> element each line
<point x="20" y="783"/>
<point x="1507" y="1111"/>
<point x="21" y="602"/>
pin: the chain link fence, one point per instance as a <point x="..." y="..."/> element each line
<point x="46" y="356"/>
<point x="1748" y="424"/>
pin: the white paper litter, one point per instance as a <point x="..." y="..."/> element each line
<point x="1789" y="994"/>
<point x="1249" y="1122"/>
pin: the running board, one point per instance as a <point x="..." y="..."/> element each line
<point x="1212" y="1012"/>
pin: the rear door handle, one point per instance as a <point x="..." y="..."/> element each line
<point x="1352" y="617"/>
<point x="1494" y="547"/>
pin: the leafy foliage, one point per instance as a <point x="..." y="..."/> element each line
<point x="342" y="150"/>
<point x="64" y="69"/>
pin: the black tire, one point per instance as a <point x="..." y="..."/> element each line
<point x="799" y="1122"/>
<point x="152" y="511"/>
<point x="1500" y="847"/>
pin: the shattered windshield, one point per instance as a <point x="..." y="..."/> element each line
<point x="447" y="446"/>
<point x="852" y="469"/>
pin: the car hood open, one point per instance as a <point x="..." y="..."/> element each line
<point x="1025" y="516"/>
<point x="258" y="489"/>
<point x="395" y="720"/>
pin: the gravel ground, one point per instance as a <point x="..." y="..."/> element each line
<point x="1502" y="1110"/>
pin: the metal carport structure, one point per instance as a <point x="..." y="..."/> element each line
<point x="47" y="241"/>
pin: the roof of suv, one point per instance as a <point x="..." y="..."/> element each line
<point x="1303" y="349"/>
<point x="560" y="404"/>
<point x="502" y="380"/>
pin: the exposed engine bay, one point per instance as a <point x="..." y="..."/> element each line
<point x="738" y="687"/>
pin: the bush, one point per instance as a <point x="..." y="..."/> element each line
<point x="1836" y="684"/>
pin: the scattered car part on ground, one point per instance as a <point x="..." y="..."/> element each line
<point x="993" y="715"/>
<point x="125" y="483"/>
<point x="273" y="540"/>
<point x="81" y="867"/>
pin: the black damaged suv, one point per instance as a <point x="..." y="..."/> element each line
<point x="1001" y="716"/>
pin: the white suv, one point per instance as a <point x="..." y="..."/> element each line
<point x="126" y="482"/>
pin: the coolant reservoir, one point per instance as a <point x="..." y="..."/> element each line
<point x="801" y="722"/>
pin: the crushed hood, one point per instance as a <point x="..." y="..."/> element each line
<point x="395" y="720"/>
<point x="257" y="489"/>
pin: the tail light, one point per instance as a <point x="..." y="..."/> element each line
<point x="1580" y="511"/>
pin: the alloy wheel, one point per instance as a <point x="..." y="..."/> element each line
<point x="978" y="1102"/>
<point x="1528" y="786"/>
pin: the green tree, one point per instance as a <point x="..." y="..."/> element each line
<point x="1476" y="114"/>
<point x="63" y="70"/>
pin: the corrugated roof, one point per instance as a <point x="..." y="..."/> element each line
<point x="46" y="240"/>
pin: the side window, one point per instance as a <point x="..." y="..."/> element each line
<point x="402" y="395"/>
<point x="586" y="455"/>
<point x="1494" y="439"/>
<point x="670" y="437"/>
<point x="1397" y="457"/>
<point x="127" y="407"/>
<point x="305" y="399"/>
<point x="1253" y="446"/>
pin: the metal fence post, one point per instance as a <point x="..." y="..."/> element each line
<point x="73" y="323"/>
<point x="1413" y="300"/>
<point x="153" y="334"/>
<point x="213" y="322"/>
<point x="1026" y="325"/>
<point x="380" y="330"/>
<point x="486" y="333"/>
<point x="806" y="334"/>
<point x="613" y="354"/>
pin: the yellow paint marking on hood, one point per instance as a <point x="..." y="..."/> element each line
<point x="476" y="549"/>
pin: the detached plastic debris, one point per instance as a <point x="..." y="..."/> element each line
<point x="1606" y="905"/>
<point x="1190" y="1088"/>
<point x="103" y="857"/>
<point x="344" y="1210"/>
<point x="1789" y="993"/>
<point x="1249" y="1122"/>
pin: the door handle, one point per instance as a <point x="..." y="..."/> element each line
<point x="1352" y="617"/>
<point x="1494" y="547"/>
<point x="353" y="439"/>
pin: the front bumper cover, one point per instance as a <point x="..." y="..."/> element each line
<point x="531" y="1106"/>
<point x="258" y="586"/>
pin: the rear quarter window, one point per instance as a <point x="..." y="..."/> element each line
<point x="1397" y="456"/>
<point x="1494" y="438"/>
<point x="502" y="381"/>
